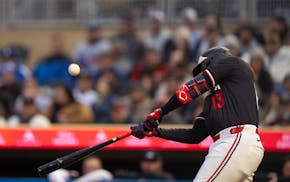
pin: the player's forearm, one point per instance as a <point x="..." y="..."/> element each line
<point x="190" y="136"/>
<point x="171" y="105"/>
<point x="189" y="91"/>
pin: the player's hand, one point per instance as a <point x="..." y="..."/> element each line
<point x="139" y="131"/>
<point x="153" y="119"/>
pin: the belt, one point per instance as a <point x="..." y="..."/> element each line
<point x="237" y="129"/>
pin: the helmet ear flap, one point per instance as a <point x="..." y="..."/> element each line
<point x="198" y="68"/>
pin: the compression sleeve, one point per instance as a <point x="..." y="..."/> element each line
<point x="189" y="91"/>
<point x="191" y="136"/>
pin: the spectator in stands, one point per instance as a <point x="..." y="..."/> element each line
<point x="215" y="21"/>
<point x="83" y="91"/>
<point x="176" y="58"/>
<point x="190" y="19"/>
<point x="178" y="68"/>
<point x="9" y="60"/>
<point x="118" y="80"/>
<point x="271" y="111"/>
<point x="284" y="89"/>
<point x="158" y="35"/>
<point x="232" y="43"/>
<point x="286" y="168"/>
<point x="147" y="83"/>
<point x="279" y="25"/>
<point x="277" y="58"/>
<point x="65" y="109"/>
<point x="29" y="114"/>
<point x="164" y="93"/>
<point x="178" y="42"/>
<point x="139" y="102"/>
<point x="102" y="108"/>
<point x="287" y="42"/>
<point x="32" y="90"/>
<point x="210" y="39"/>
<point x="285" y="177"/>
<point x="3" y="121"/>
<point x="121" y="62"/>
<point x="247" y="41"/>
<point x="150" y="64"/>
<point x="52" y="69"/>
<point x="92" y="170"/>
<point x="10" y="89"/>
<point x="263" y="80"/>
<point x="87" y="54"/>
<point x="127" y="37"/>
<point x="152" y="166"/>
<point x="119" y="113"/>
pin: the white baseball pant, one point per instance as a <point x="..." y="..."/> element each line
<point x="233" y="157"/>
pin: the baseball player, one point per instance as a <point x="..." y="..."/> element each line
<point x="230" y="117"/>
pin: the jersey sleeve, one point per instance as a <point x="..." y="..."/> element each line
<point x="192" y="136"/>
<point x="217" y="71"/>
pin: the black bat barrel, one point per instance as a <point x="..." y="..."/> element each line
<point x="74" y="157"/>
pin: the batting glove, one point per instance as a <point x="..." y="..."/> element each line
<point x="139" y="132"/>
<point x="153" y="119"/>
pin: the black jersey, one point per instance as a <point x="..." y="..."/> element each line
<point x="233" y="99"/>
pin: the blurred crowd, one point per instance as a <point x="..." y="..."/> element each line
<point x="151" y="168"/>
<point x="128" y="74"/>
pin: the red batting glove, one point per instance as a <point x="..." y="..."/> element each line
<point x="153" y="119"/>
<point x="156" y="115"/>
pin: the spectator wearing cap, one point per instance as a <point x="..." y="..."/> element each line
<point x="152" y="166"/>
<point x="29" y="114"/>
<point x="277" y="58"/>
<point x="10" y="62"/>
<point x="190" y="19"/>
<point x="52" y="69"/>
<point x="83" y="90"/>
<point x="158" y="35"/>
<point x="88" y="53"/>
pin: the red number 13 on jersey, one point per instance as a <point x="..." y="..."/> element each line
<point x="218" y="100"/>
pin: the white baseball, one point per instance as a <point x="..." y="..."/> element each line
<point x="74" y="69"/>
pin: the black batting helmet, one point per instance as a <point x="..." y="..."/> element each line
<point x="214" y="54"/>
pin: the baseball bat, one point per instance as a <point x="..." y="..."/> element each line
<point x="76" y="156"/>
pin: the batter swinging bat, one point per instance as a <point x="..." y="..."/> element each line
<point x="76" y="156"/>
